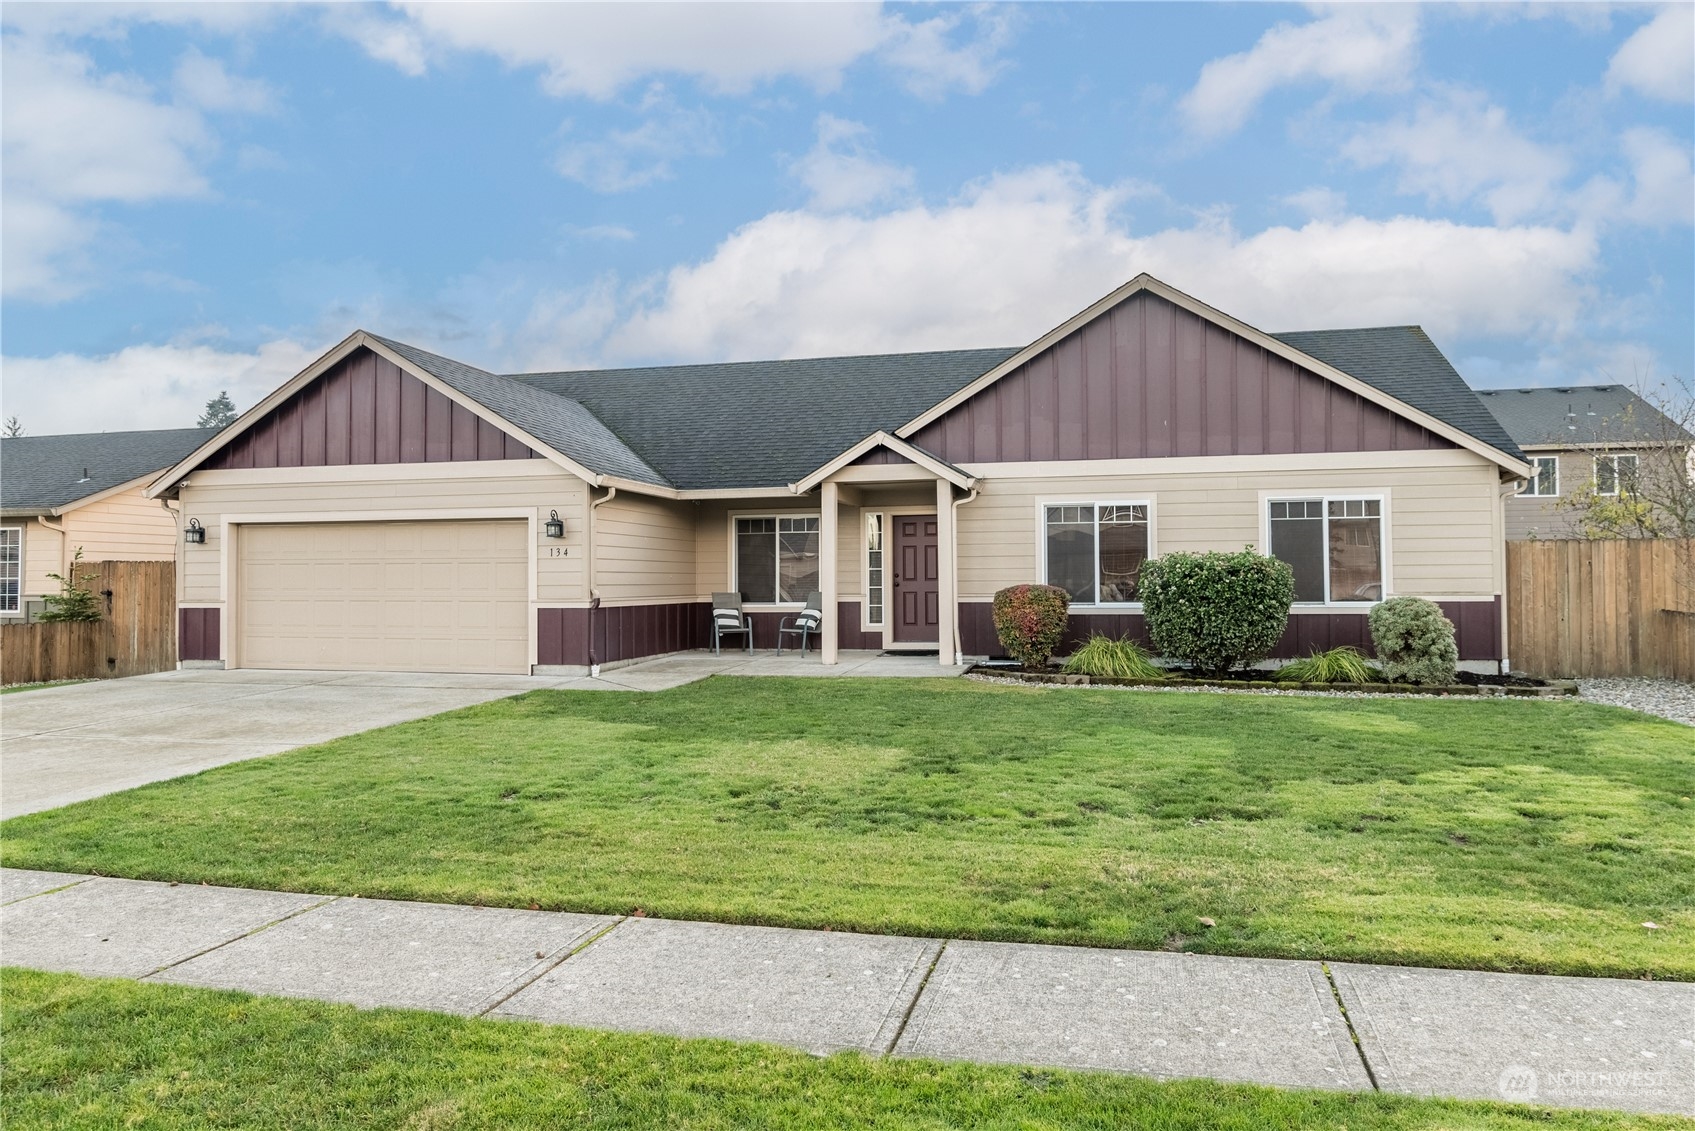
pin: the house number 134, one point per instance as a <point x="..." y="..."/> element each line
<point x="557" y="551"/>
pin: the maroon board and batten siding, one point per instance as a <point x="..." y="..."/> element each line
<point x="1149" y="379"/>
<point x="1477" y="630"/>
<point x="198" y="634"/>
<point x="367" y="410"/>
<point x="629" y="632"/>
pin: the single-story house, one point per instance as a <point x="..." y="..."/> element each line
<point x="58" y="493"/>
<point x="389" y="508"/>
<point x="1587" y="434"/>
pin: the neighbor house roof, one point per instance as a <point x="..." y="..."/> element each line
<point x="1569" y="416"/>
<point x="46" y="474"/>
<point x="1403" y="362"/>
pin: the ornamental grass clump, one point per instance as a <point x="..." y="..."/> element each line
<point x="1339" y="665"/>
<point x="1030" y="621"/>
<point x="1216" y="611"/>
<point x="1116" y="659"/>
<point x="1414" y="641"/>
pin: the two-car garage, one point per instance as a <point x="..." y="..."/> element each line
<point x="432" y="596"/>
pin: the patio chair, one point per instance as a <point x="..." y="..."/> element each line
<point x="807" y="622"/>
<point x="728" y="619"/>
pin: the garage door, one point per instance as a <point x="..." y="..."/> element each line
<point x="384" y="596"/>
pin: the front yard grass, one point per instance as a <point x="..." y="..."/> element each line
<point x="86" y="1053"/>
<point x="1527" y="836"/>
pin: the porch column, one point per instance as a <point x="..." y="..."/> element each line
<point x="945" y="582"/>
<point x="827" y="566"/>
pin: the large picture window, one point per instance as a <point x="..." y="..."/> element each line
<point x="1615" y="473"/>
<point x="1335" y="547"/>
<point x="873" y="568"/>
<point x="1095" y="551"/>
<point x="1546" y="481"/>
<point x="11" y="568"/>
<point x="776" y="559"/>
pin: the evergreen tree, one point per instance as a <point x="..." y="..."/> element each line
<point x="75" y="600"/>
<point x="220" y="411"/>
<point x="12" y="427"/>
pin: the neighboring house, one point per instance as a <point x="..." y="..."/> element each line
<point x="1574" y="436"/>
<point x="61" y="492"/>
<point x="389" y="509"/>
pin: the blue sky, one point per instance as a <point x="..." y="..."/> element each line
<point x="205" y="197"/>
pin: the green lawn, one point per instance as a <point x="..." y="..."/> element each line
<point x="1508" y="835"/>
<point x="87" y="1054"/>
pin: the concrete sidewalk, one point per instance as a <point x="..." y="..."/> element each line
<point x="1576" y="1042"/>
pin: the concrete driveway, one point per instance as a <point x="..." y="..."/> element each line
<point x="65" y="744"/>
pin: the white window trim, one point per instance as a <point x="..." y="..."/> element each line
<point x="730" y="585"/>
<point x="1617" y="479"/>
<point x="865" y="624"/>
<point x="1530" y="484"/>
<point x="1042" y="506"/>
<point x="1380" y="496"/>
<point x="19" y="610"/>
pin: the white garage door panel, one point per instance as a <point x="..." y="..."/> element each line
<point x="385" y="596"/>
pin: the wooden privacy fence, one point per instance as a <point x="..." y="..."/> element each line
<point x="1615" y="608"/>
<point x="137" y="635"/>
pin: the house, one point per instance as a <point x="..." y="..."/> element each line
<point x="58" y="493"/>
<point x="389" y="508"/>
<point x="1585" y="434"/>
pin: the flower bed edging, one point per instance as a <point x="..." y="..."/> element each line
<point x="1557" y="690"/>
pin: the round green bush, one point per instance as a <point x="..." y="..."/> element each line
<point x="1030" y="620"/>
<point x="1216" y="611"/>
<point x="1414" y="641"/>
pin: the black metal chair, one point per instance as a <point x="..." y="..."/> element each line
<point x="808" y="622"/>
<point x="728" y="619"/>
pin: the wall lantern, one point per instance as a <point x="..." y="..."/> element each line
<point x="555" y="526"/>
<point x="194" y="533"/>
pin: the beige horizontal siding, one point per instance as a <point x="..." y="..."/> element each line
<point x="645" y="550"/>
<point x="126" y="527"/>
<point x="1539" y="516"/>
<point x="43" y="554"/>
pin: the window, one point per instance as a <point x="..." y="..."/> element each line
<point x="1095" y="551"/>
<point x="873" y="568"/>
<point x="11" y="568"/>
<point x="1613" y="473"/>
<point x="1546" y="480"/>
<point x="1335" y="547"/>
<point x="776" y="559"/>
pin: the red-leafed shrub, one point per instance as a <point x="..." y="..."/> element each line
<point x="1030" y="620"/>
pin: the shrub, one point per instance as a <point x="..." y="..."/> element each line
<point x="1030" y="620"/>
<point x="1414" y="641"/>
<point x="1339" y="665"/>
<point x="1215" y="611"/>
<point x="75" y="601"/>
<point x="1119" y="659"/>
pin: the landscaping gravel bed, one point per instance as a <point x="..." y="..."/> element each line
<point x="1666" y="698"/>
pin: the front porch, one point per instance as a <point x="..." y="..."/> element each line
<point x="665" y="672"/>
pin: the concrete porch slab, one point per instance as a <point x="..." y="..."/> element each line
<point x="821" y="991"/>
<point x="378" y="952"/>
<point x="1570" y="1042"/>
<point x="21" y="883"/>
<point x="131" y="928"/>
<point x="1162" y="1015"/>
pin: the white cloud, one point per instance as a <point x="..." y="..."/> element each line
<point x="1358" y="47"/>
<point x="1318" y="202"/>
<point x="595" y="50"/>
<point x="1658" y="60"/>
<point x="1018" y="253"/>
<point x="202" y="81"/>
<point x="1661" y="189"/>
<point x="844" y="171"/>
<point x="1457" y="146"/>
<point x="145" y="386"/>
<point x="627" y="159"/>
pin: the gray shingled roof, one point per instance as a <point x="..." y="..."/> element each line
<point x="1582" y="414"/>
<point x="1403" y="362"/>
<point x="40" y="473"/>
<point x="558" y="421"/>
<point x="764" y="423"/>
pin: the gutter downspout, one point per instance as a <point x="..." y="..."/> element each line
<point x="953" y="564"/>
<point x="64" y="539"/>
<point x="594" y="593"/>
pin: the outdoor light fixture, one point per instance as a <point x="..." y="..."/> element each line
<point x="194" y="533"/>
<point x="555" y="525"/>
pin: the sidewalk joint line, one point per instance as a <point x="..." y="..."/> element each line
<point x="1353" y="1035"/>
<point x="912" y="1006"/>
<point x="49" y="891"/>
<point x="546" y="967"/>
<point x="245" y="935"/>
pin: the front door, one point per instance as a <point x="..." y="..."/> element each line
<point x="918" y="603"/>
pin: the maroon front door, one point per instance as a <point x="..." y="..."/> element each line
<point x="918" y="603"/>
